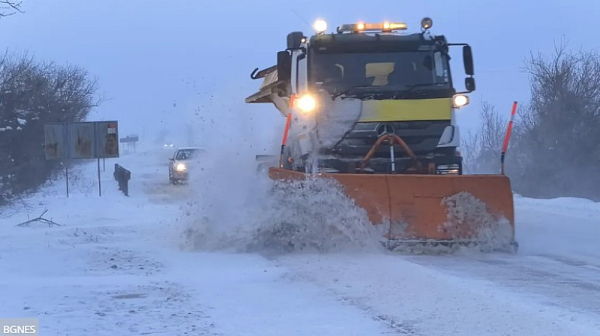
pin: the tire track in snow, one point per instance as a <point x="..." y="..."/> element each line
<point x="398" y="328"/>
<point x="552" y="280"/>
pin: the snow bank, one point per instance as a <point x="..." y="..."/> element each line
<point x="570" y="204"/>
<point x="560" y="226"/>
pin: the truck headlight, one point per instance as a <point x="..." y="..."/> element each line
<point x="180" y="167"/>
<point x="306" y="103"/>
<point x="460" y="100"/>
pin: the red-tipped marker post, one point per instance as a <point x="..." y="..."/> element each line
<point x="507" y="137"/>
<point x="288" y="122"/>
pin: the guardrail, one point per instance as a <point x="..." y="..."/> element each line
<point x="122" y="176"/>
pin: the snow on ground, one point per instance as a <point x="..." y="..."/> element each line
<point x="114" y="267"/>
<point x="120" y="265"/>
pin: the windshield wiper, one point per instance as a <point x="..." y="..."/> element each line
<point x="350" y="89"/>
<point x="410" y="87"/>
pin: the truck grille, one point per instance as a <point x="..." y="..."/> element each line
<point x="421" y="136"/>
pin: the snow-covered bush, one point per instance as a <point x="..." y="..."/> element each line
<point x="31" y="94"/>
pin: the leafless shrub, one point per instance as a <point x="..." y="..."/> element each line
<point x="31" y="94"/>
<point x="482" y="149"/>
<point x="556" y="145"/>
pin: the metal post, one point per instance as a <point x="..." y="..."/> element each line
<point x="66" y="154"/>
<point x="103" y="164"/>
<point x="125" y="184"/>
<point x="288" y="123"/>
<point x="67" y="177"/>
<point x="99" y="181"/>
<point x="392" y="155"/>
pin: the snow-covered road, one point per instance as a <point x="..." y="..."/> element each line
<point x="115" y="266"/>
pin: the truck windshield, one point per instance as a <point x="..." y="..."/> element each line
<point x="355" y="73"/>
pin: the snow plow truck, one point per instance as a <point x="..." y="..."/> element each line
<point x="374" y="108"/>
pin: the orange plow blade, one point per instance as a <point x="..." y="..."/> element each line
<point x="431" y="209"/>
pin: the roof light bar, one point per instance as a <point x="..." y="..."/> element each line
<point x="365" y="27"/>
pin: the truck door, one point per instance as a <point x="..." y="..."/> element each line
<point x="299" y="72"/>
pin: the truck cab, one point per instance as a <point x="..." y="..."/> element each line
<point x="342" y="92"/>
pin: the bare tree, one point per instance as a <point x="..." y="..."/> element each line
<point x="559" y="141"/>
<point x="10" y="7"/>
<point x="482" y="148"/>
<point x="555" y="149"/>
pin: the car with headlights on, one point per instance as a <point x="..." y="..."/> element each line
<point x="168" y="145"/>
<point x="182" y="161"/>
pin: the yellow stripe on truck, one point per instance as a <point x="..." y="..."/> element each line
<point x="406" y="110"/>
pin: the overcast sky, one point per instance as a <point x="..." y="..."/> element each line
<point x="164" y="63"/>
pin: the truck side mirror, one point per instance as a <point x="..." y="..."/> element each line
<point x="284" y="66"/>
<point x="468" y="60"/>
<point x="294" y="40"/>
<point x="470" y="84"/>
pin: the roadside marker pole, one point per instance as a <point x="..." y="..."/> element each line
<point x="66" y="154"/>
<point x="67" y="177"/>
<point x="285" y="135"/>
<point x="99" y="181"/>
<point x="288" y="122"/>
<point x="507" y="137"/>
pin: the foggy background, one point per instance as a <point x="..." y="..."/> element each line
<point x="163" y="64"/>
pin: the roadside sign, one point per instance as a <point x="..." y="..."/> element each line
<point x="81" y="140"/>
<point x="107" y="139"/>
<point x="129" y="138"/>
<point x="55" y="141"/>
